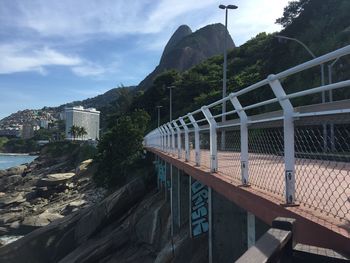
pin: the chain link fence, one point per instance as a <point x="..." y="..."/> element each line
<point x="322" y="165"/>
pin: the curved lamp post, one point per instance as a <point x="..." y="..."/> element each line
<point x="313" y="56"/>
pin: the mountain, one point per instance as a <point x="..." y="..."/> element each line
<point x="186" y="49"/>
<point x="99" y="101"/>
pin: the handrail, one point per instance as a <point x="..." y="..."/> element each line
<point x="184" y="124"/>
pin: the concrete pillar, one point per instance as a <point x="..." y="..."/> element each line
<point x="250" y="229"/>
<point x="175" y="200"/>
<point x="229" y="229"/>
<point x="167" y="181"/>
<point x="184" y="199"/>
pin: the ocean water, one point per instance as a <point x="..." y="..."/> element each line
<point x="7" y="161"/>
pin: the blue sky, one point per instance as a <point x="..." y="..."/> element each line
<point x="53" y="52"/>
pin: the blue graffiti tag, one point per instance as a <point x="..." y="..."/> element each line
<point x="199" y="215"/>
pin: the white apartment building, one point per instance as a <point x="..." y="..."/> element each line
<point x="87" y="118"/>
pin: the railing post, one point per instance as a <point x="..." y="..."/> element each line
<point x="213" y="139"/>
<point x="172" y="138"/>
<point x="187" y="143"/>
<point x="244" y="138"/>
<point x="168" y="138"/>
<point x="162" y="138"/>
<point x="288" y="132"/>
<point x="196" y="139"/>
<point x="158" y="138"/>
<point x="178" y="139"/>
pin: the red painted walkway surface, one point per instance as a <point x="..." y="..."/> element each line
<point x="322" y="192"/>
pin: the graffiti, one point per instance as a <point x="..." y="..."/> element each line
<point x="161" y="172"/>
<point x="199" y="214"/>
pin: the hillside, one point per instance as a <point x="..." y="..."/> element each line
<point x="100" y="102"/>
<point x="186" y="49"/>
<point x="322" y="25"/>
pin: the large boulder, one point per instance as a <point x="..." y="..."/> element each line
<point x="40" y="220"/>
<point x="10" y="199"/>
<point x="83" y="167"/>
<point x="55" y="179"/>
<point x="16" y="170"/>
<point x="53" y="242"/>
<point x="9" y="182"/>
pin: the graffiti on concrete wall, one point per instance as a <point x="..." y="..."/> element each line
<point x="161" y="172"/>
<point x="199" y="211"/>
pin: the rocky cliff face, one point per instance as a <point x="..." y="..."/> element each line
<point x="128" y="226"/>
<point x="186" y="49"/>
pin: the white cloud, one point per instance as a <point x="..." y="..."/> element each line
<point x="81" y="17"/>
<point x="24" y="57"/>
<point x="21" y="58"/>
<point x="88" y="70"/>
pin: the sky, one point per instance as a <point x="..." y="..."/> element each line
<point x="53" y="52"/>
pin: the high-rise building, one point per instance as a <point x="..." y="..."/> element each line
<point x="80" y="117"/>
<point x="27" y="130"/>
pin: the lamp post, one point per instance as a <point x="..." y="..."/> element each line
<point x="313" y="56"/>
<point x="330" y="80"/>
<point x="171" y="103"/>
<point x="158" y="109"/>
<point x="224" y="77"/>
<point x="322" y="81"/>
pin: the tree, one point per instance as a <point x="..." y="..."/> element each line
<point x="120" y="148"/>
<point x="74" y="131"/>
<point x="81" y="132"/>
<point x="291" y="12"/>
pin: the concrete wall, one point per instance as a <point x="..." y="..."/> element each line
<point x="229" y="229"/>
<point x="175" y="200"/>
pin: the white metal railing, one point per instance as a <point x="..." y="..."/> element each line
<point x="163" y="138"/>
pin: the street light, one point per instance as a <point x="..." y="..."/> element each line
<point x="322" y="81"/>
<point x="224" y="78"/>
<point x="313" y="56"/>
<point x="158" y="109"/>
<point x="171" y="102"/>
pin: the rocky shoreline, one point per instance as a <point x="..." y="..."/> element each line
<point x="36" y="194"/>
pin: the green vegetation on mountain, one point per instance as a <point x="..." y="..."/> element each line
<point x="321" y="25"/>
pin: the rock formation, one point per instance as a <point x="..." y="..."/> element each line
<point x="186" y="49"/>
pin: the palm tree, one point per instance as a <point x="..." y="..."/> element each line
<point x="74" y="131"/>
<point x="81" y="132"/>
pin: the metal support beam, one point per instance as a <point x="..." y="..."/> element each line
<point x="168" y="150"/>
<point x="162" y="138"/>
<point x="196" y="139"/>
<point x="288" y="132"/>
<point x="213" y="139"/>
<point x="187" y="142"/>
<point x="172" y="138"/>
<point x="179" y="149"/>
<point x="244" y="137"/>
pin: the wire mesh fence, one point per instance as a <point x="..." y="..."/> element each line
<point x="229" y="153"/>
<point x="204" y="146"/>
<point x="266" y="160"/>
<point x="192" y="147"/>
<point x="322" y="150"/>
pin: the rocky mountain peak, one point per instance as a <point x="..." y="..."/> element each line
<point x="186" y="49"/>
<point x="179" y="34"/>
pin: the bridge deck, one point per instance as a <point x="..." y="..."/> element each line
<point x="322" y="192"/>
